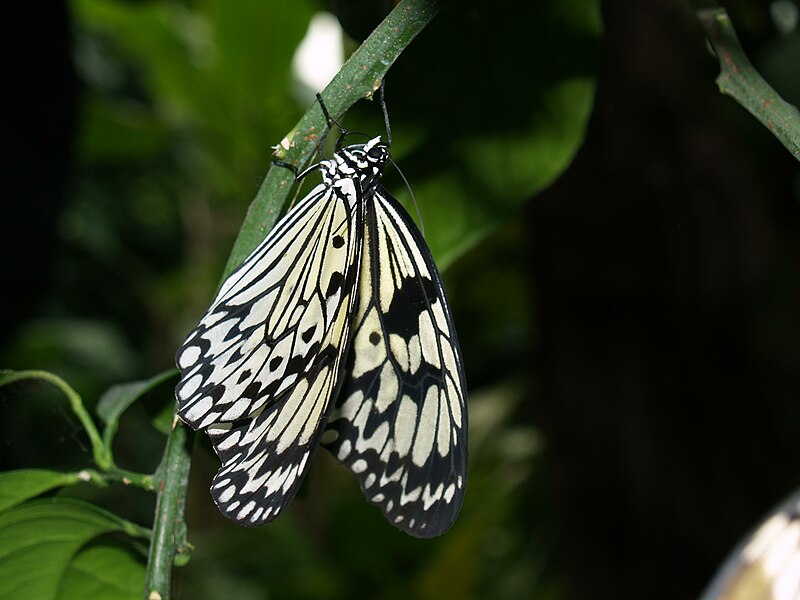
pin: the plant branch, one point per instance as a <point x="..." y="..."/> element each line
<point x="100" y="452"/>
<point x="740" y="80"/>
<point x="360" y="76"/>
<point x="76" y="403"/>
<point x="169" y="545"/>
<point x="140" y="480"/>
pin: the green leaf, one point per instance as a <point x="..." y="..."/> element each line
<point x="116" y="399"/>
<point x="162" y="421"/>
<point x="104" y="572"/>
<point x="38" y="540"/>
<point x="18" y="486"/>
<point x="488" y="108"/>
<point x="219" y="73"/>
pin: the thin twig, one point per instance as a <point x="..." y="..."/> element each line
<point x="102" y="459"/>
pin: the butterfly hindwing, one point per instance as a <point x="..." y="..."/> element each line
<point x="767" y="564"/>
<point x="400" y="423"/>
<point x="265" y="457"/>
<point x="261" y="369"/>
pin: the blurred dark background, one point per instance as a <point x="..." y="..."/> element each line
<point x="631" y="331"/>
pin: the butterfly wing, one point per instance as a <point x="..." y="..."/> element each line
<point x="400" y="423"/>
<point x="260" y="370"/>
<point x="767" y="564"/>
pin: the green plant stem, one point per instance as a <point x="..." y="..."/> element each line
<point x="360" y="76"/>
<point x="169" y="545"/>
<point x="100" y="453"/>
<point x="104" y="478"/>
<point x="740" y="80"/>
<point x="76" y="403"/>
<point x="140" y="480"/>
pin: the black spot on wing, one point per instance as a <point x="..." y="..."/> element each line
<point x="334" y="284"/>
<point x="410" y="299"/>
<point x="216" y="392"/>
<point x="252" y="390"/>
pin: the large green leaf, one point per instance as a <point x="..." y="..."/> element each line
<point x="104" y="573"/>
<point x="219" y="70"/>
<point x="24" y="484"/>
<point x="39" y="539"/>
<point x="489" y="105"/>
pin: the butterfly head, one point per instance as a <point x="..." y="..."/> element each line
<point x="363" y="161"/>
<point x="376" y="152"/>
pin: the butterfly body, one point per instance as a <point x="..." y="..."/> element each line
<point x="335" y="330"/>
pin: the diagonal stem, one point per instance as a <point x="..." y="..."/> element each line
<point x="360" y="76"/>
<point x="740" y="80"/>
<point x="169" y="545"/>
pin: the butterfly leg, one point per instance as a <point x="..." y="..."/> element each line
<point x="382" y="101"/>
<point x="331" y="122"/>
<point x="286" y="165"/>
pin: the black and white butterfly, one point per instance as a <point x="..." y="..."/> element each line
<point x="766" y="565"/>
<point x="334" y="331"/>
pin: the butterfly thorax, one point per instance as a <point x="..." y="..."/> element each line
<point x="364" y="162"/>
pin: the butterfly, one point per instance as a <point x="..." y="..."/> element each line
<point x="335" y="331"/>
<point x="766" y="565"/>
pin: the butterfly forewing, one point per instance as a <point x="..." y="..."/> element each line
<point x="400" y="423"/>
<point x="261" y="369"/>
<point x="274" y="315"/>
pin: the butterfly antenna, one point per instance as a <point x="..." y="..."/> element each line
<point x="413" y="198"/>
<point x="382" y="100"/>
